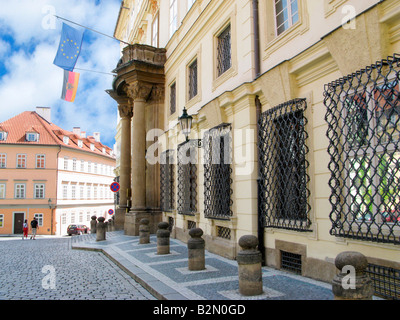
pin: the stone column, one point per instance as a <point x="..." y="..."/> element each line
<point x="138" y="92"/>
<point x="249" y="263"/>
<point x="125" y="111"/>
<point x="196" y="250"/>
<point x="352" y="283"/>
<point x="101" y="229"/>
<point x="93" y="224"/>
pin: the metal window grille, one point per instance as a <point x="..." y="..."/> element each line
<point x="283" y="183"/>
<point x="187" y="177"/>
<point x="172" y="98"/>
<point x="224" y="51"/>
<point x="191" y="224"/>
<point x="193" y="79"/>
<point x="167" y="169"/>
<point x="224" y="232"/>
<point x="291" y="262"/>
<point x="386" y="281"/>
<point x="217" y="172"/>
<point x="363" y="116"/>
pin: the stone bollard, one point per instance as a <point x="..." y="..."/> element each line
<point x="163" y="238"/>
<point x="113" y="223"/>
<point x="109" y="225"/>
<point x="93" y="224"/>
<point x="249" y="263"/>
<point x="352" y="282"/>
<point x="196" y="245"/>
<point x="101" y="229"/>
<point x="144" y="231"/>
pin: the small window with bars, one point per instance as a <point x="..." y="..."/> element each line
<point x="167" y="168"/>
<point x="193" y="79"/>
<point x="291" y="262"/>
<point x="386" y="281"/>
<point x="191" y="224"/>
<point x="172" y="98"/>
<point x="224" y="53"/>
<point x="224" y="232"/>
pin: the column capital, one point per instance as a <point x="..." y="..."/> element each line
<point x="138" y="90"/>
<point x="157" y="93"/>
<point x="125" y="110"/>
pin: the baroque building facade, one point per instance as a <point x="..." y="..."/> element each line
<point x="294" y="138"/>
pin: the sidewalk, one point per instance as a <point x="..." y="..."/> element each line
<point x="167" y="277"/>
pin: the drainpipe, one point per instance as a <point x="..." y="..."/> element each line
<point x="256" y="39"/>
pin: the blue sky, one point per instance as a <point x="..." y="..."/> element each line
<point x="29" y="37"/>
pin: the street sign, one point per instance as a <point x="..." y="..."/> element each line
<point x="111" y="212"/>
<point x="115" y="187"/>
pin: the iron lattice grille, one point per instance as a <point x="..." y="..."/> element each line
<point x="291" y="262"/>
<point x="217" y="172"/>
<point x="172" y="98"/>
<point x="283" y="179"/>
<point x="224" y="51"/>
<point x="386" y="281"/>
<point x="187" y="177"/>
<point x="363" y="112"/>
<point x="167" y="169"/>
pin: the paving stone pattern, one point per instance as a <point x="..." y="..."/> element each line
<point x="79" y="275"/>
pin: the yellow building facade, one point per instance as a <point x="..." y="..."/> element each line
<point x="297" y="97"/>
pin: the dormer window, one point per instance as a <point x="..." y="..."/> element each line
<point x="32" y="136"/>
<point x="92" y="146"/>
<point x="3" y="135"/>
<point x="80" y="144"/>
<point x="104" y="150"/>
<point x="66" y="139"/>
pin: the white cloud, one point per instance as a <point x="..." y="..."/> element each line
<point x="32" y="79"/>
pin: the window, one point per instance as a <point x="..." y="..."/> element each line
<point x="80" y="143"/>
<point x="193" y="79"/>
<point x="32" y="136"/>
<point x="73" y="217"/>
<point x="284" y="194"/>
<point x="172" y="98"/>
<point x="39" y="218"/>
<point x="88" y="192"/>
<point x="73" y="164"/>
<point x="40" y="161"/>
<point x="2" y="190"/>
<point x="64" y="218"/>
<point x="187" y="177"/>
<point x="65" y="191"/>
<point x="73" y="191"/>
<point x="20" y="191"/>
<point x="3" y="135"/>
<point x="65" y="139"/>
<point x="80" y="217"/>
<point x="363" y="112"/>
<point x="89" y="167"/>
<point x="21" y="160"/>
<point x="39" y="191"/>
<point x="224" y="54"/>
<point x="154" y="32"/>
<point x="82" y="165"/>
<point x="286" y="13"/>
<point x="66" y="163"/>
<point x="173" y="16"/>
<point x="167" y="169"/>
<point x="3" y="160"/>
<point x="217" y="172"/>
<point x="81" y="192"/>
<point x="1" y="220"/>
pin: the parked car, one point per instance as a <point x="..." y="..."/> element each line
<point x="77" y="229"/>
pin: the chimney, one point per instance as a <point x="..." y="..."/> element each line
<point x="96" y="136"/>
<point x="77" y="131"/>
<point x="45" y="113"/>
<point x="83" y="134"/>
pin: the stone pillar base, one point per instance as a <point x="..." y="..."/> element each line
<point x="119" y="219"/>
<point x="132" y="221"/>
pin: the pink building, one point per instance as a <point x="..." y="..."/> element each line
<point x="43" y="169"/>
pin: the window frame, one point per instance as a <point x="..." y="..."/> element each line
<point x="173" y="17"/>
<point x="40" y="161"/>
<point x="21" y="161"/>
<point x="3" y="160"/>
<point x="3" y="190"/>
<point x="20" y="191"/>
<point x="41" y="188"/>
<point x="290" y="16"/>
<point x="193" y="76"/>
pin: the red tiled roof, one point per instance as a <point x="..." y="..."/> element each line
<point x="49" y="133"/>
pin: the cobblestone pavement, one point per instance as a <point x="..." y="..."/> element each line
<point x="28" y="266"/>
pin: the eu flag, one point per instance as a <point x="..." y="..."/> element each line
<point x="69" y="48"/>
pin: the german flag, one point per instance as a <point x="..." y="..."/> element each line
<point x="70" y="85"/>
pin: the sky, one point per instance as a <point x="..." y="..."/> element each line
<point x="29" y="39"/>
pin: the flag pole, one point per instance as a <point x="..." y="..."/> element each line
<point x="106" y="35"/>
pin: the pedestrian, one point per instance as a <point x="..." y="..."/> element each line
<point x="34" y="226"/>
<point x="25" y="228"/>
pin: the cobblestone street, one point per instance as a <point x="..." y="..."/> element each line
<point x="27" y="267"/>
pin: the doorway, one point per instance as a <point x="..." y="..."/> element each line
<point x="18" y="222"/>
